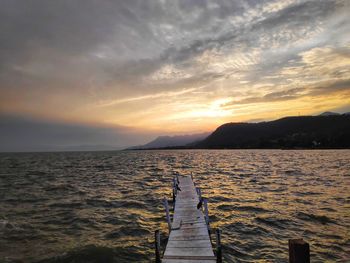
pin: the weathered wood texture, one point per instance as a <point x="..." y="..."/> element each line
<point x="189" y="240"/>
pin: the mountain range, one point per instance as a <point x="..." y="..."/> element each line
<point x="172" y="141"/>
<point x="327" y="130"/>
<point x="330" y="131"/>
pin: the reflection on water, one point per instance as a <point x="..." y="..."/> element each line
<point x="105" y="206"/>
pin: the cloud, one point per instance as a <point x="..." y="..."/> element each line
<point x="326" y="88"/>
<point x="320" y="64"/>
<point x="109" y="103"/>
<point x="141" y="61"/>
<point x="114" y="40"/>
<point x="335" y="87"/>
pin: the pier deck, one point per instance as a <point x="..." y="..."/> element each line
<point x="189" y="240"/>
<point x="189" y="237"/>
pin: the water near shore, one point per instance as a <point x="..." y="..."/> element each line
<point x="105" y="206"/>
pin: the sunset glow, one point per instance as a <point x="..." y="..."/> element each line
<point x="174" y="67"/>
<point x="174" y="131"/>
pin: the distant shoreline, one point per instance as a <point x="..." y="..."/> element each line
<point x="172" y="149"/>
<point x="188" y="148"/>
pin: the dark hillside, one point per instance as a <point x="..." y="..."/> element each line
<point x="331" y="131"/>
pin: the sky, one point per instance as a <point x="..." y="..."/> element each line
<point x="118" y="73"/>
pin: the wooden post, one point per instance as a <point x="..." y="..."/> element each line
<point x="199" y="192"/>
<point x="174" y="186"/>
<point x="174" y="197"/>
<point x="177" y="178"/>
<point x="218" y="246"/>
<point x="299" y="251"/>
<point x="166" y="205"/>
<point x="206" y="212"/>
<point x="157" y="245"/>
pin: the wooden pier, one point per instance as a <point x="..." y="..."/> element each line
<point x="189" y="232"/>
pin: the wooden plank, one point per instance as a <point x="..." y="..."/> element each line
<point x="191" y="257"/>
<point x="190" y="243"/>
<point x="193" y="237"/>
<point x="188" y="251"/>
<point x="189" y="214"/>
<point x="191" y="220"/>
<point x="188" y="261"/>
<point x="203" y="231"/>
<point x="192" y="225"/>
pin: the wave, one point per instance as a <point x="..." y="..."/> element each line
<point x="315" y="218"/>
<point x="274" y="222"/>
<point x="52" y="202"/>
<point x="128" y="231"/>
<point x="96" y="254"/>
<point x="228" y="207"/>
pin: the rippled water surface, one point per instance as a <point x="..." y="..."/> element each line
<point x="105" y="206"/>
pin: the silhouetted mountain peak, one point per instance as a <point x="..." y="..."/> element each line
<point x="172" y="141"/>
<point x="329" y="113"/>
<point x="288" y="132"/>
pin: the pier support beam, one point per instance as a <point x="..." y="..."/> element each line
<point x="174" y="185"/>
<point x="206" y="212"/>
<point x="299" y="251"/>
<point x="218" y="246"/>
<point x="174" y="197"/>
<point x="174" y="191"/>
<point x="166" y="205"/>
<point x="157" y="245"/>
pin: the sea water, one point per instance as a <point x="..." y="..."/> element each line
<point x="105" y="206"/>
